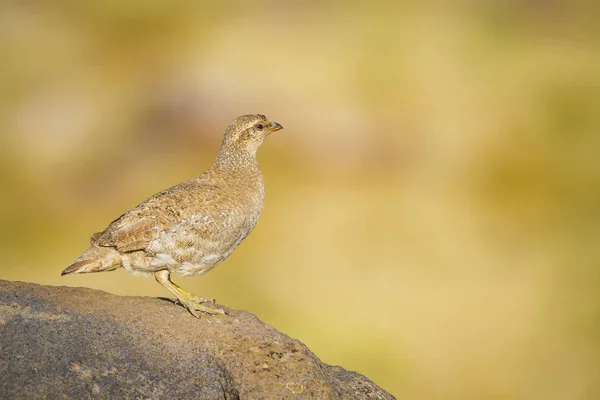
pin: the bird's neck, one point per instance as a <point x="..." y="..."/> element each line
<point x="236" y="162"/>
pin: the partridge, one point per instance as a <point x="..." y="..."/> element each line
<point x="193" y="226"/>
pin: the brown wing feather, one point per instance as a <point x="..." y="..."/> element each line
<point x="94" y="238"/>
<point x="129" y="234"/>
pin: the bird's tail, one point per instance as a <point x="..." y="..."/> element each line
<point x="95" y="259"/>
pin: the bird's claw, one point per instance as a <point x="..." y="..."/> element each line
<point x="196" y="306"/>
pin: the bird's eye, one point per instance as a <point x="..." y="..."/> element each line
<point x="259" y="126"/>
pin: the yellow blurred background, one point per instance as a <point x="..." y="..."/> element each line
<point x="432" y="213"/>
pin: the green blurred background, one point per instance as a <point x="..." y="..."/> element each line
<point x="432" y="213"/>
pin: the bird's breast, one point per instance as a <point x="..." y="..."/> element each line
<point x="206" y="232"/>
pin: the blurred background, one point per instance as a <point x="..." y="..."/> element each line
<point x="432" y="213"/>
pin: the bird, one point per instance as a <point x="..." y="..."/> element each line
<point x="193" y="226"/>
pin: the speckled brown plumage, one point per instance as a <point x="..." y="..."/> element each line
<point x="193" y="226"/>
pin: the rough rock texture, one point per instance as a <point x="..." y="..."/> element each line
<point x="62" y="342"/>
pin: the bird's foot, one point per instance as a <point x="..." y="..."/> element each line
<point x="194" y="304"/>
<point x="197" y="305"/>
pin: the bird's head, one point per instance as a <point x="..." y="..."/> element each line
<point x="246" y="133"/>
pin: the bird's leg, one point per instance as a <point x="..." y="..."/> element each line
<point x="189" y="301"/>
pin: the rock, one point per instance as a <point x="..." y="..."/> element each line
<point x="63" y="342"/>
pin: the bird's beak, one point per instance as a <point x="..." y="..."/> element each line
<point x="275" y="127"/>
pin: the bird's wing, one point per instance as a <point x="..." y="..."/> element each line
<point x="128" y="233"/>
<point x="135" y="229"/>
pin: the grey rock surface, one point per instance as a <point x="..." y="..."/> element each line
<point x="76" y="343"/>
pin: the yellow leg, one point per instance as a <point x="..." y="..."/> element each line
<point x="189" y="301"/>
